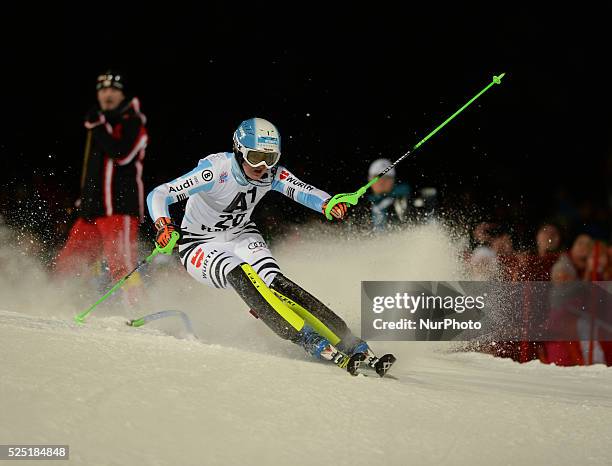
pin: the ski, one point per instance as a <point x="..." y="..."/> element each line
<point x="381" y="365"/>
<point x="350" y="363"/>
<point x="354" y="363"/>
<point x="376" y="376"/>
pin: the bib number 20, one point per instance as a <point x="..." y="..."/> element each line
<point x="234" y="219"/>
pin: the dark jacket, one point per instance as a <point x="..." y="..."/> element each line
<point x="114" y="162"/>
<point x="390" y="208"/>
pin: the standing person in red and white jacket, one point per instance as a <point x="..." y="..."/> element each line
<point x="111" y="204"/>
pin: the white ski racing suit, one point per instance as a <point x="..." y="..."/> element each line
<point x="217" y="231"/>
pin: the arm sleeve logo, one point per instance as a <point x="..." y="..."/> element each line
<point x="207" y="175"/>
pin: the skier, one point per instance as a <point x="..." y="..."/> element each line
<point x="220" y="245"/>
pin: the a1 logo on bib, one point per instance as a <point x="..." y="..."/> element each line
<point x="207" y="175"/>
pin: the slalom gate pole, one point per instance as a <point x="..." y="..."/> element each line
<point x="162" y="314"/>
<point x="80" y="318"/>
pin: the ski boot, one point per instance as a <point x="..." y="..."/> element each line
<point x="380" y="365"/>
<point x="321" y="348"/>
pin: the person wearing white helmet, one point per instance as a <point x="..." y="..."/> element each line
<point x="221" y="246"/>
<point x="388" y="199"/>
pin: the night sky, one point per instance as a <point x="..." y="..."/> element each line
<point x="344" y="86"/>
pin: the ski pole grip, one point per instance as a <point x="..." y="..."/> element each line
<point x="167" y="249"/>
<point x="348" y="198"/>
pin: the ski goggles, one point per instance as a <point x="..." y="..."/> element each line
<point x="257" y="158"/>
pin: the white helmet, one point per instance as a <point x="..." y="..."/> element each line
<point x="378" y="166"/>
<point x="257" y="142"/>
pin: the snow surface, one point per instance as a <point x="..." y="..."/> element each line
<point x="239" y="395"/>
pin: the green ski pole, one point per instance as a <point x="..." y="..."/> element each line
<point x="80" y="318"/>
<point x="353" y="198"/>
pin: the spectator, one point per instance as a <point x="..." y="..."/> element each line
<point x="388" y="200"/>
<point x="572" y="266"/>
<point x="112" y="193"/>
<point x="482" y="233"/>
<point x="586" y="261"/>
<point x="483" y="262"/>
<point x="538" y="266"/>
<point x="548" y="239"/>
<point x="494" y="258"/>
<point x="501" y="244"/>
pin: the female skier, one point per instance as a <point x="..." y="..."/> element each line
<point x="221" y="245"/>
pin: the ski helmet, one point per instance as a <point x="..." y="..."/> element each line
<point x="378" y="166"/>
<point x="257" y="142"/>
<point x="110" y="79"/>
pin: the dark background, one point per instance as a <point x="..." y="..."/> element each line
<point x="345" y="85"/>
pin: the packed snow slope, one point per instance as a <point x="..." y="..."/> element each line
<point x="239" y="395"/>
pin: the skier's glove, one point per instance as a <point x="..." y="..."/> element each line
<point x="164" y="227"/>
<point x="338" y="211"/>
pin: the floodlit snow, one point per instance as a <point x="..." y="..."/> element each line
<point x="239" y="395"/>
